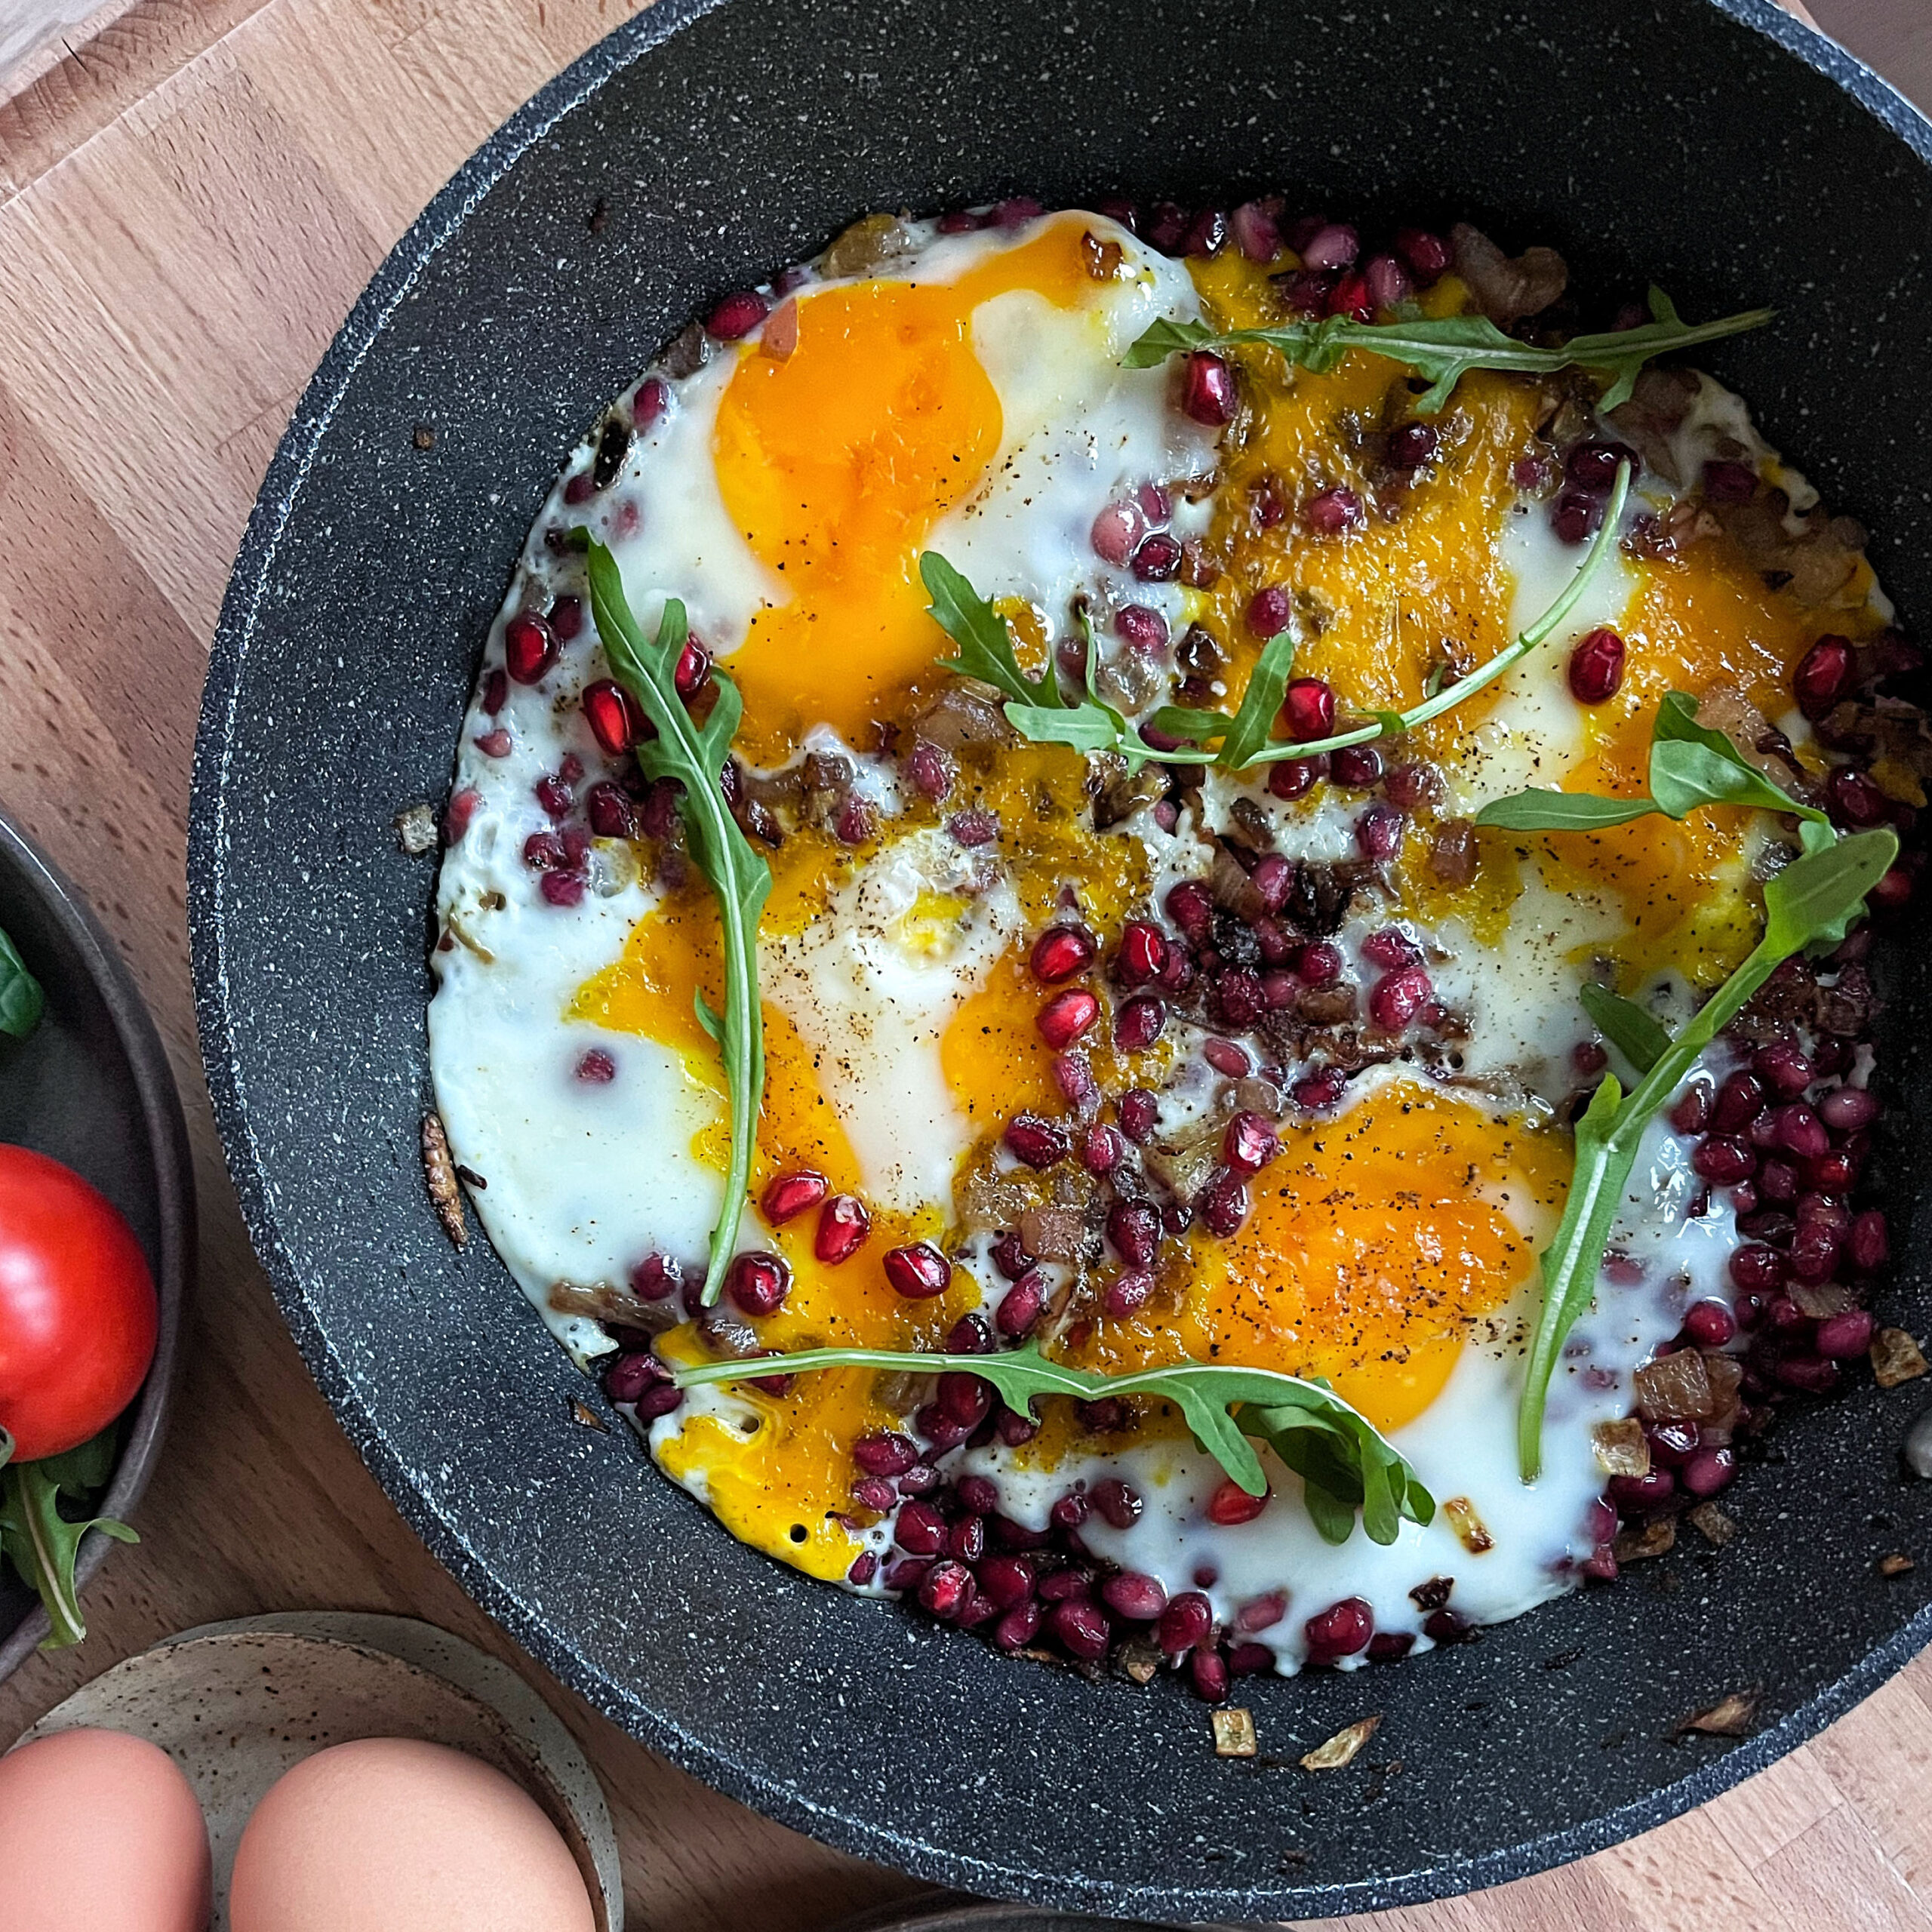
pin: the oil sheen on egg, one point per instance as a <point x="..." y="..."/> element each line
<point x="964" y="393"/>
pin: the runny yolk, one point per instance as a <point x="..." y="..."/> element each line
<point x="1378" y="1242"/>
<point x="837" y="462"/>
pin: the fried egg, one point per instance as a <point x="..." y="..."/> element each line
<point x="964" y="393"/>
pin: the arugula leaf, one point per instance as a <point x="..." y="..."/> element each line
<point x="985" y="644"/>
<point x="1355" y="1467"/>
<point x="1818" y="893"/>
<point x="22" y="1001"/>
<point x="1638" y="1035"/>
<point x="739" y="879"/>
<point x="40" y="1541"/>
<point x="1260" y="702"/>
<point x="1537" y="810"/>
<point x="1691" y="765"/>
<point x="1243" y="736"/>
<point x="1447" y="349"/>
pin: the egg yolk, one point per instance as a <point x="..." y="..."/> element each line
<point x="837" y="462"/>
<point x="1377" y="1244"/>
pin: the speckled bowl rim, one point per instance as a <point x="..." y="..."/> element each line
<point x="690" y="1752"/>
<point x="165" y="1131"/>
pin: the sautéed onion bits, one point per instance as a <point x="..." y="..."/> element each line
<point x="1153" y="1062"/>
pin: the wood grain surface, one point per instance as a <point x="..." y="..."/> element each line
<point x="188" y="208"/>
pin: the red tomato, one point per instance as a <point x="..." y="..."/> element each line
<point x="79" y="1315"/>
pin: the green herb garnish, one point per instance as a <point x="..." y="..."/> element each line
<point x="1446" y="349"/>
<point x="1036" y="709"/>
<point x="21" y="1000"/>
<point x="40" y="1542"/>
<point x="694" y="754"/>
<point x="1344" y="1463"/>
<point x="1691" y="765"/>
<point x="1814" y="898"/>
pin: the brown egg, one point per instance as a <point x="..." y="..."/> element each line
<point x="390" y="1835"/>
<point x="99" y="1832"/>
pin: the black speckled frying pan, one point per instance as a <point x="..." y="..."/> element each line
<point x="1711" y="144"/>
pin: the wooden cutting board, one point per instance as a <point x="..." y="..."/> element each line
<point x="189" y="205"/>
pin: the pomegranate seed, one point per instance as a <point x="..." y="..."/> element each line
<point x="942" y="1591"/>
<point x="1144" y="628"/>
<point x="1190" y="906"/>
<point x="1036" y="1141"/>
<point x="1391" y="1646"/>
<point x="1892" y="892"/>
<point x="1102" y="1149"/>
<point x="1069" y="1511"/>
<point x="1356" y="766"/>
<point x="1018" y="1627"/>
<point x="1857" y="801"/>
<point x="1709" y="1324"/>
<point x="1231" y="1504"/>
<point x="1066" y="1016"/>
<point x="655" y="1277"/>
<point x="759" y="1282"/>
<point x="1575" y="514"/>
<point x="561" y="889"/>
<point x="1740" y="1101"/>
<point x="1709" y="1471"/>
<point x="843" y="1225"/>
<point x="1815" y="1249"/>
<point x="1412" y="445"/>
<point x="1235" y="1002"/>
<point x="617" y="721"/>
<point x="1319" y="965"/>
<point x="1074" y="1079"/>
<point x="611" y="811"/>
<point x="1799" y="1131"/>
<point x="1319" y="1089"/>
<point x="1848" y="1109"/>
<point x="1294" y="777"/>
<point x="1222" y="1205"/>
<point x="653" y="399"/>
<point x="1207" y="1675"/>
<point x="1809" y="1374"/>
<point x="1428" y="255"/>
<point x="1757" y="1270"/>
<point x="1350" y="296"/>
<point x="1138" y="1023"/>
<point x="1117" y="1504"/>
<point x="631" y="1372"/>
<point x="1822" y="675"/>
<point x="1869" y="1243"/>
<point x="1596" y="667"/>
<point x="1262" y="1613"/>
<point x="969" y="1336"/>
<point x="1334" y="245"/>
<point x="1081" y="1628"/>
<point x="965" y="1399"/>
<point x="1006" y="1581"/>
<point x="931" y="769"/>
<point x="496" y="691"/>
<point x="1143" y="952"/>
<point x="1393" y="1000"/>
<point x="906" y="1573"/>
<point x="1340" y="1630"/>
<point x="1730" y="482"/>
<point x="1016" y="211"/>
<point x="1331" y="512"/>
<point x="543" y="852"/>
<point x="1308" y="706"/>
<point x="1155" y="505"/>
<point x="1010" y="1255"/>
<point x="736" y="315"/>
<point x="1134" y="1595"/>
<point x="1187" y="1622"/>
<point x="1840" y="1337"/>
<point x="693" y="669"/>
<point x="1117" y="533"/>
<point x="973" y="828"/>
<point x="1158" y="560"/>
<point x="789" y="1195"/>
<point x="1250" y="1143"/>
<point x="886" y="1454"/>
<point x="1390" y="949"/>
<point x="596" y="1068"/>
<point x="865" y="1567"/>
<point x="876" y="1494"/>
<point x="1208" y="392"/>
<point x="918" y="1270"/>
<point x="530" y="648"/>
<point x="1268" y="611"/>
<point x="1723" y="1159"/>
<point x="1256" y="230"/>
<point x="1133" y="1229"/>
<point x="1019" y="1307"/>
<point x="554" y="795"/>
<point x="1388" y="282"/>
<point x="1140" y="1113"/>
<point x="1127" y="1294"/>
<point x="1060" y="952"/>
<point x="1782" y="1066"/>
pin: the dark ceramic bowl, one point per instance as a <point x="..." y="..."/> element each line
<point x="1719" y="148"/>
<point x="90" y="1086"/>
